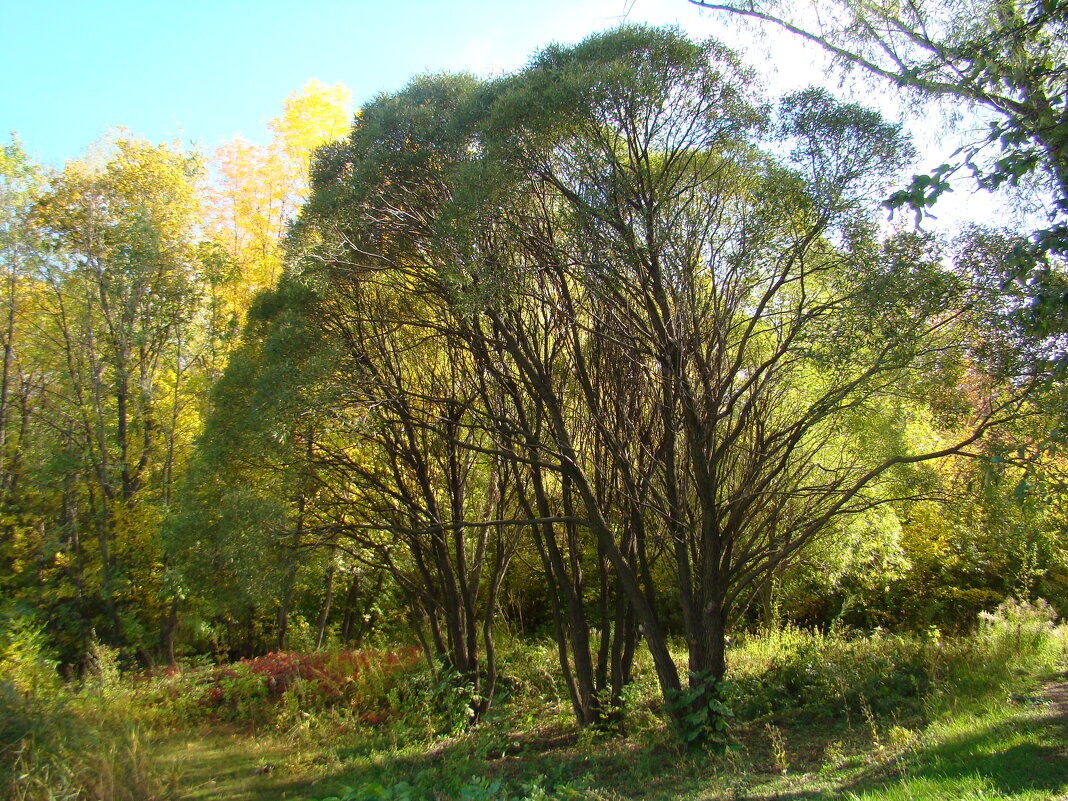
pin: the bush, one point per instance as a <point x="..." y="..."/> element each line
<point x="840" y="672"/>
<point x="56" y="744"/>
<point x="276" y="689"/>
<point x="433" y="702"/>
<point x="1017" y="639"/>
<point x="826" y="674"/>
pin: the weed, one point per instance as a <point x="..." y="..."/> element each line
<point x="703" y="718"/>
<point x="834" y="756"/>
<point x="778" y="748"/>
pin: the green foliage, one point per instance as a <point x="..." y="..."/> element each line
<point x="612" y="291"/>
<point x="24" y="662"/>
<point x="702" y="717"/>
<point x="434" y="701"/>
<point x="103" y="677"/>
<point x="1020" y="634"/>
<point x="809" y="674"/>
<point x="1008" y="61"/>
<point x="59" y="744"/>
<point x="828" y="674"/>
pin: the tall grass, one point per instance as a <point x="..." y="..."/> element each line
<point x="810" y="673"/>
<point x="61" y="743"/>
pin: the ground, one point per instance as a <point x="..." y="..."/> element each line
<point x="1017" y="751"/>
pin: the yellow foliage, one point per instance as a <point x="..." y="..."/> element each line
<point x="927" y="536"/>
<point x="260" y="187"/>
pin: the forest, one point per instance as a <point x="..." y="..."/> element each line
<point x="605" y="429"/>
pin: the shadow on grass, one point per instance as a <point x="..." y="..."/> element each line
<point x="223" y="765"/>
<point x="1024" y="756"/>
<point x="550" y="759"/>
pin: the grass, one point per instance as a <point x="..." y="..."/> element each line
<point x="1007" y="751"/>
<point x="1004" y="742"/>
<point x="861" y="717"/>
<point x="226" y="764"/>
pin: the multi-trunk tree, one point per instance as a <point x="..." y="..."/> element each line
<point x="692" y="353"/>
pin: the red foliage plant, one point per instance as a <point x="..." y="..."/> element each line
<point x="280" y="668"/>
<point x="327" y="679"/>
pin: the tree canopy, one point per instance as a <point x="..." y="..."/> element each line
<point x="614" y="348"/>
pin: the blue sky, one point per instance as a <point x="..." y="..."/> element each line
<point x="203" y="71"/>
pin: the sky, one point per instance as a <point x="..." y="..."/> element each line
<point x="202" y="71"/>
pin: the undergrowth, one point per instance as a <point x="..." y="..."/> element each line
<point x="70" y="743"/>
<point x="279" y="690"/>
<point x="827" y="704"/>
<point x="384" y="725"/>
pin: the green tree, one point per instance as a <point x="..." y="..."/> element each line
<point x="243" y="522"/>
<point x="119" y="303"/>
<point x="676" y="331"/>
<point x="1009" y="59"/>
<point x="23" y="383"/>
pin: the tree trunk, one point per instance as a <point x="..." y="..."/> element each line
<point x="328" y="596"/>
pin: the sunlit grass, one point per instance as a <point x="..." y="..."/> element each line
<point x="838" y="715"/>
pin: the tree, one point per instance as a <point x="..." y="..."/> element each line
<point x="242" y="535"/>
<point x="119" y="301"/>
<point x="260" y="187"/>
<point x="1008" y="59"/>
<point x="676" y="331"/>
<point x="412" y="486"/>
<point x="406" y="458"/>
<point x="433" y="451"/>
<point x="20" y="257"/>
<point x="22" y="382"/>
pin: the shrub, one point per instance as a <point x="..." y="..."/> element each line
<point x="826" y="674"/>
<point x="433" y="701"/>
<point x="275" y="689"/>
<point x="23" y="661"/>
<point x="840" y="672"/>
<point x="1018" y="638"/>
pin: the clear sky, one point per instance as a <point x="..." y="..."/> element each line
<point x="204" y="70"/>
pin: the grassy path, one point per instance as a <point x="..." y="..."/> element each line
<point x="1013" y="752"/>
<point x="226" y="765"/>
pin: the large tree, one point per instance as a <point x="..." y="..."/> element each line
<point x="687" y="344"/>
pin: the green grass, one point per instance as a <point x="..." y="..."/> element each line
<point x="997" y="750"/>
<point x="820" y="716"/>
<point x="1005" y="753"/>
<point x="224" y="764"/>
<point x="824" y="716"/>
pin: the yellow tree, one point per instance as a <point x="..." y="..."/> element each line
<point x="260" y="187"/>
